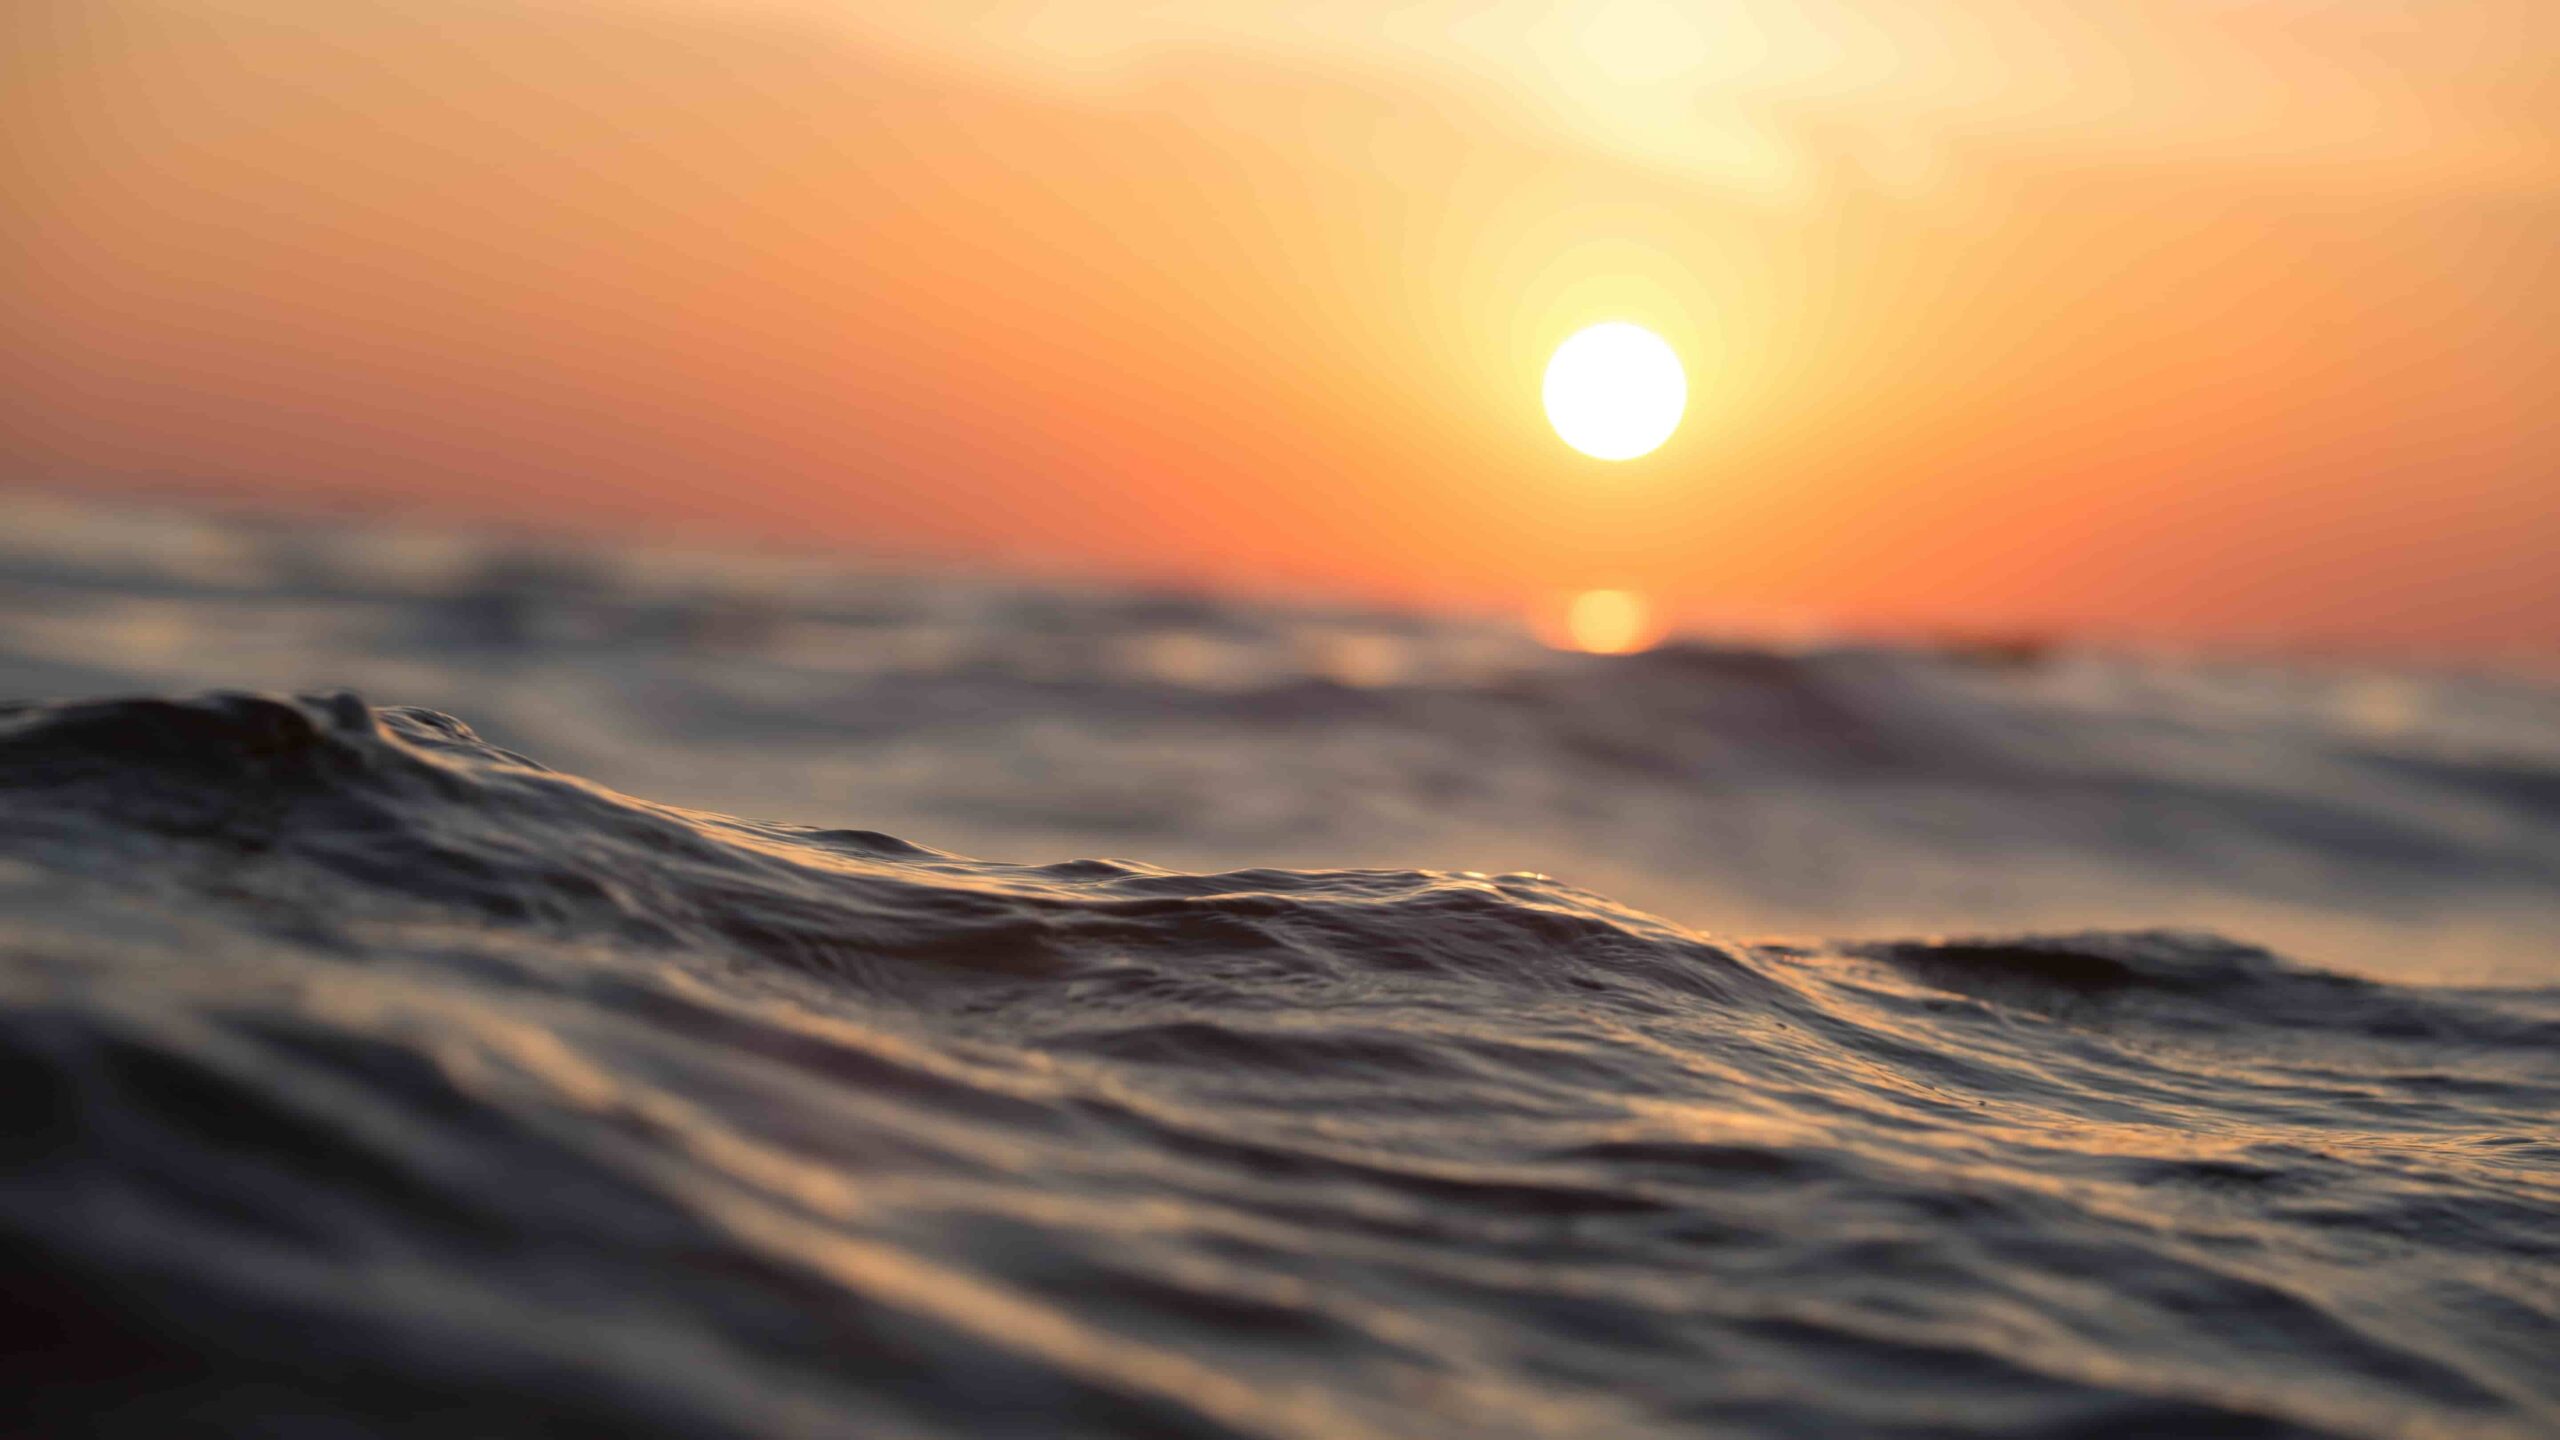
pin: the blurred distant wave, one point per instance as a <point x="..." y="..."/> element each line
<point x="2387" y="822"/>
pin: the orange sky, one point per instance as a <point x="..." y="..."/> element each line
<point x="2211" y="320"/>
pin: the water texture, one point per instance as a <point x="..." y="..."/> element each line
<point x="2393" y="823"/>
<point x="361" y="1077"/>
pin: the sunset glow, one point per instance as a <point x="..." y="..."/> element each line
<point x="1106" y="718"/>
<point x="2127" y="317"/>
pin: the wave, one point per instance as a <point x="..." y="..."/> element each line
<point x="362" y="1077"/>
<point x="2394" y="822"/>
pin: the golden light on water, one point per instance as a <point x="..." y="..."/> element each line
<point x="1610" y="622"/>
<point x="1615" y="391"/>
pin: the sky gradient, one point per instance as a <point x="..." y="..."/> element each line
<point x="2195" y="321"/>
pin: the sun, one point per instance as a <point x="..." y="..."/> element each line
<point x="1615" y="391"/>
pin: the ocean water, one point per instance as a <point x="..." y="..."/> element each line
<point x="1469" y="1040"/>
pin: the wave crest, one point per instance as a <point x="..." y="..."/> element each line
<point x="355" y="1067"/>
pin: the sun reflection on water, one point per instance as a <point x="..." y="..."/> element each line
<point x="1610" y="622"/>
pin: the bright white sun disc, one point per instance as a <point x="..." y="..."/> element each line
<point x="1615" y="391"/>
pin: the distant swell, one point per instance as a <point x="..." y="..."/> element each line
<point x="358" y="1077"/>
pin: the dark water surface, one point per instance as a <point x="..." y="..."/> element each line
<point x="2393" y="823"/>
<point x="361" y="1078"/>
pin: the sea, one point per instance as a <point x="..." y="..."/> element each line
<point x="469" y="984"/>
